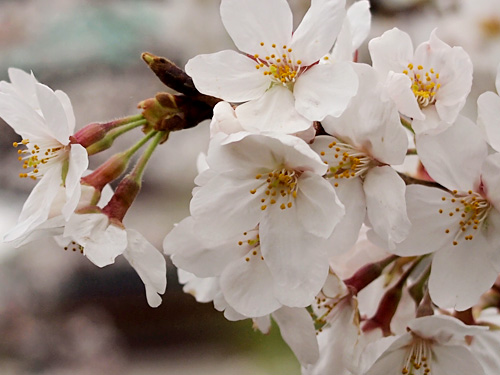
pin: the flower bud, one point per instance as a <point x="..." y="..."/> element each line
<point x="107" y="172"/>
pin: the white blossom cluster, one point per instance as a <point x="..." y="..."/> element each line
<point x="300" y="214"/>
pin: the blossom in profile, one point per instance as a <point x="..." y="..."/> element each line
<point x="429" y="85"/>
<point x="277" y="76"/>
<point x="45" y="121"/>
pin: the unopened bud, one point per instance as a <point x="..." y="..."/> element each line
<point x="107" y="172"/>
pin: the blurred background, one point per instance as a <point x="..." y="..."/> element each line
<point x="60" y="314"/>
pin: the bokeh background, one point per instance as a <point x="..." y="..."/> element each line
<point x="59" y="314"/>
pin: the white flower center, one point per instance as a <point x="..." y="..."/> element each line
<point x="345" y="161"/>
<point x="424" y="84"/>
<point x="252" y="241"/>
<point x="278" y="187"/>
<point x="281" y="66"/>
<point x="418" y="356"/>
<point x="39" y="156"/>
<point x="471" y="210"/>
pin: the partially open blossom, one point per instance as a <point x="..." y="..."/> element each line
<point x="278" y="75"/>
<point x="429" y="85"/>
<point x="45" y="121"/>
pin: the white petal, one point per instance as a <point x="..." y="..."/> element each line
<point x="189" y="252"/>
<point x="296" y="259"/>
<point x="51" y="228"/>
<point x="325" y="89"/>
<point x="345" y="234"/>
<point x="461" y="273"/>
<point x="68" y="109"/>
<point x="250" y="23"/>
<point x="359" y="18"/>
<point x="389" y="363"/>
<point x="452" y="166"/>
<point x="22" y="118"/>
<point x="228" y="75"/>
<point x="398" y="88"/>
<point x="488" y="108"/>
<point x="391" y="52"/>
<point x="428" y="226"/>
<point x="431" y="124"/>
<point x="318" y="206"/>
<point x="78" y="163"/>
<point x="263" y="324"/>
<point x="247" y="286"/>
<point x="272" y="112"/>
<point x="443" y="329"/>
<point x="490" y="177"/>
<point x="149" y="264"/>
<point x="297" y="330"/>
<point x="224" y="207"/>
<point x="318" y="30"/>
<point x="24" y="84"/>
<point x="386" y="206"/>
<point x="54" y="114"/>
<point x="486" y="347"/>
<point x="454" y="359"/>
<point x="203" y="289"/>
<point x="37" y="207"/>
<point x="224" y="120"/>
<point x="497" y="80"/>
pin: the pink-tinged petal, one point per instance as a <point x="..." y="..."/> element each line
<point x="325" y="89"/>
<point x="68" y="109"/>
<point x="490" y="177"/>
<point x="224" y="207"/>
<point x="22" y="118"/>
<point x="398" y="88"/>
<point x="488" y="108"/>
<point x="149" y="264"/>
<point x="54" y="114"/>
<point x="345" y="234"/>
<point x="24" y="85"/>
<point x="247" y="286"/>
<point x="250" y="23"/>
<point x="454" y="167"/>
<point x="392" y="51"/>
<point x="203" y="289"/>
<point x="189" y="252"/>
<point x="263" y="324"/>
<point x="461" y="273"/>
<point x="318" y="30"/>
<point x="454" y="359"/>
<point x="78" y="164"/>
<point x="428" y="225"/>
<point x="297" y="330"/>
<point x="297" y="260"/>
<point x="318" y="206"/>
<point x="228" y="75"/>
<point x="272" y="112"/>
<point x="386" y="206"/>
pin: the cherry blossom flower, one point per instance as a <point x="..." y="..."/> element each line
<point x="274" y="185"/>
<point x="365" y="140"/>
<point x="430" y="85"/>
<point x="45" y="121"/>
<point x="488" y="109"/>
<point x="277" y="75"/>
<point x="434" y="345"/>
<point x="460" y="226"/>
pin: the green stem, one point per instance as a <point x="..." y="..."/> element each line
<point x="138" y="171"/>
<point x="411" y="151"/>
<point x="132" y="150"/>
<point x="107" y="141"/>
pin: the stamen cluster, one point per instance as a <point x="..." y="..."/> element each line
<point x="281" y="66"/>
<point x="279" y="185"/>
<point x="36" y="156"/>
<point x="424" y="85"/>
